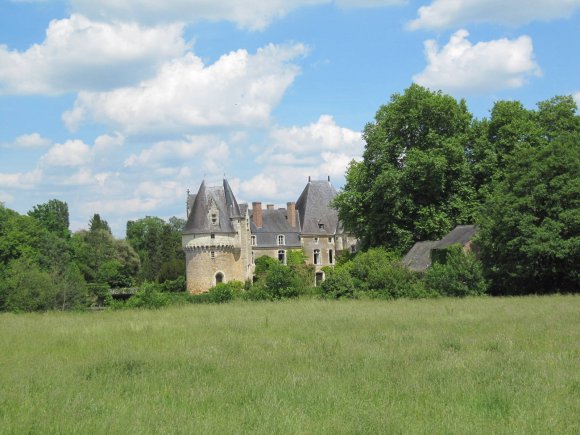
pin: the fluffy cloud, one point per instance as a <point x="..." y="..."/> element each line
<point x="21" y="180"/>
<point x="80" y="54"/>
<point x="249" y="14"/>
<point x="451" y="13"/>
<point x="484" y="67"/>
<point x="33" y="140"/>
<point x="238" y="89"/>
<point x="70" y="153"/>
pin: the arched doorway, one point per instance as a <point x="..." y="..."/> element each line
<point x="219" y="278"/>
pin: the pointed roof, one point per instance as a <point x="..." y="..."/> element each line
<point x="313" y="205"/>
<point x="219" y="197"/>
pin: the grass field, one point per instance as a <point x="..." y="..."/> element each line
<point x="482" y="365"/>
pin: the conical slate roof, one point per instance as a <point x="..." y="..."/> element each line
<point x="225" y="202"/>
<point x="316" y="215"/>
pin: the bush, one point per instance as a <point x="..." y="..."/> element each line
<point x="456" y="273"/>
<point x="282" y="282"/>
<point x="174" y="286"/>
<point x="100" y="294"/>
<point x="220" y="293"/>
<point x="148" y="296"/>
<point x="338" y="284"/>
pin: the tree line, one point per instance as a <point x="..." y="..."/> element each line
<point x="43" y="265"/>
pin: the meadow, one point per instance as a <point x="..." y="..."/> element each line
<point x="473" y="365"/>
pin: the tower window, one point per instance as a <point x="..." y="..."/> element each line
<point x="212" y="236"/>
<point x="317" y="256"/>
<point x="212" y="254"/>
<point x="214" y="218"/>
<point x="316" y="240"/>
<point x="253" y="240"/>
<point x="219" y="278"/>
<point x="330" y="256"/>
<point x="281" y="241"/>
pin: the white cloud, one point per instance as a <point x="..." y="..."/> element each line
<point x="80" y="54"/>
<point x="173" y="151"/>
<point x="484" y="67"/>
<point x="249" y="14"/>
<point x="19" y="180"/>
<point x="70" y="153"/>
<point x="260" y="185"/>
<point x="576" y="97"/>
<point x="452" y="13"/>
<point x="238" y="89"/>
<point x="5" y="197"/>
<point x="33" y="140"/>
<point x="324" y="134"/>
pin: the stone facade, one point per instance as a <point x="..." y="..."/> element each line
<point x="222" y="239"/>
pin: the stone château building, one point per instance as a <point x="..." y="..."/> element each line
<point x="222" y="238"/>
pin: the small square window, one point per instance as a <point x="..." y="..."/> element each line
<point x="212" y="254"/>
<point x="316" y="240"/>
<point x="320" y="226"/>
<point x="330" y="240"/>
<point x="212" y="236"/>
<point x="214" y="218"/>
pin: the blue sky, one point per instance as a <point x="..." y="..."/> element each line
<point x="118" y="106"/>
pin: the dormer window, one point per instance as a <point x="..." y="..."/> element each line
<point x="214" y="219"/>
<point x="320" y="226"/>
<point x="281" y="240"/>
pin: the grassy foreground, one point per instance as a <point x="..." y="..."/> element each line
<point x="482" y="365"/>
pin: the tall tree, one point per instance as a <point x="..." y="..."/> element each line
<point x="53" y="216"/>
<point x="414" y="182"/>
<point x="530" y="224"/>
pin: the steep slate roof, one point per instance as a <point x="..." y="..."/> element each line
<point x="419" y="259"/>
<point x="223" y="198"/>
<point x="314" y="208"/>
<point x="461" y="234"/>
<point x="274" y="223"/>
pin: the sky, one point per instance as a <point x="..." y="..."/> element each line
<point x="119" y="106"/>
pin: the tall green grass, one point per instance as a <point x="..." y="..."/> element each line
<point x="481" y="365"/>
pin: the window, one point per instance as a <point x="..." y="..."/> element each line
<point x="281" y="240"/>
<point x="317" y="256"/>
<point x="316" y="240"/>
<point x="214" y="218"/>
<point x="352" y="249"/>
<point x="212" y="236"/>
<point x="330" y="255"/>
<point x="212" y="254"/>
<point x="253" y="240"/>
<point x="282" y="256"/>
<point x="319" y="278"/>
<point x="330" y="240"/>
<point x="320" y="226"/>
<point x="253" y="258"/>
<point x="219" y="278"/>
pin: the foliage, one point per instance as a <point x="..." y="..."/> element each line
<point x="158" y="245"/>
<point x="457" y="274"/>
<point x="112" y="273"/>
<point x="53" y="216"/>
<point x="414" y="182"/>
<point x="263" y="264"/>
<point x="98" y="224"/>
<point x="27" y="288"/>
<point x="282" y="282"/>
<point x="220" y="293"/>
<point x="174" y="286"/>
<point x="100" y="294"/>
<point x="72" y="290"/>
<point x="149" y="296"/>
<point x="529" y="233"/>
<point x="338" y="284"/>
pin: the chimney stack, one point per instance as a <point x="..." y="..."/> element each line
<point x="257" y="214"/>
<point x="291" y="210"/>
<point x="270" y="206"/>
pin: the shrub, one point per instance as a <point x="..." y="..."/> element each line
<point x="174" y="286"/>
<point x="338" y="284"/>
<point x="282" y="282"/>
<point x="220" y="293"/>
<point x="148" y="296"/>
<point x="456" y="273"/>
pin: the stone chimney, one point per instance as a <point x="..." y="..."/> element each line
<point x="270" y="206"/>
<point x="257" y="214"/>
<point x="291" y="210"/>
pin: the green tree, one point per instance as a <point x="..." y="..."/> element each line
<point x="414" y="182"/>
<point x="53" y="216"/>
<point x="96" y="223"/>
<point x="530" y="224"/>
